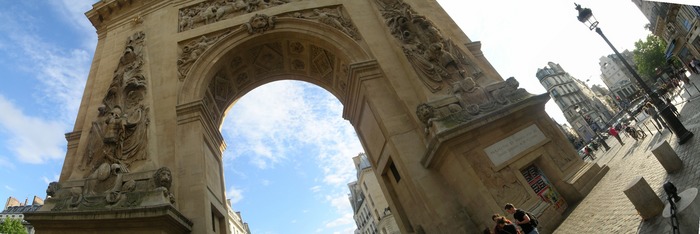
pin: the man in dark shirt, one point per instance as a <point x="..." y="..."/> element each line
<point x="521" y="219"/>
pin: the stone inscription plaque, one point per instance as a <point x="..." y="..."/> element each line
<point x="511" y="146"/>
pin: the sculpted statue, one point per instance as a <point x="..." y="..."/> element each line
<point x="194" y="49"/>
<point x="436" y="59"/>
<point x="119" y="134"/>
<point x="333" y="18"/>
<point x="211" y="11"/>
<point x="162" y="179"/>
<point x="471" y="96"/>
<point x="260" y="23"/>
<point x="467" y="100"/>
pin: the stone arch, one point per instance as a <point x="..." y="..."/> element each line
<point x="203" y="72"/>
<point x="203" y="101"/>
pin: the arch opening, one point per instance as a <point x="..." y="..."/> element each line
<point x="289" y="158"/>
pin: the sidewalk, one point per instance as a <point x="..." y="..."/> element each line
<point x="606" y="209"/>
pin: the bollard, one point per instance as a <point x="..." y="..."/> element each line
<point x="643" y="198"/>
<point x="667" y="157"/>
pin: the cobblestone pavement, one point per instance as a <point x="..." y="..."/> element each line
<point x="606" y="209"/>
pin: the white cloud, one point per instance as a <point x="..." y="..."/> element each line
<point x="346" y="219"/>
<point x="316" y="189"/>
<point x="340" y="202"/>
<point x="32" y="139"/>
<point x="61" y="72"/>
<point x="234" y="194"/>
<point x="265" y="182"/>
<point x="9" y="188"/>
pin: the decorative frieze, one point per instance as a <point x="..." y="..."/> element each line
<point x="436" y="59"/>
<point x="331" y="16"/>
<point x="192" y="50"/>
<point x="215" y="10"/>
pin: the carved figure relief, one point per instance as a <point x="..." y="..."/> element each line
<point x="260" y="23"/>
<point x="119" y="135"/>
<point x="472" y="97"/>
<point x="108" y="188"/>
<point x="163" y="179"/>
<point x="468" y="100"/>
<point x="436" y="59"/>
<point x="333" y="17"/>
<point x="192" y="50"/>
<point x="215" y="10"/>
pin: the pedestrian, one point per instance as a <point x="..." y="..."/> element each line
<point x="651" y="111"/>
<point x="673" y="107"/>
<point x="527" y="223"/>
<point x="614" y="133"/>
<point x="497" y="228"/>
<point x="692" y="67"/>
<point x="588" y="152"/>
<point x="505" y="226"/>
<point x="695" y="64"/>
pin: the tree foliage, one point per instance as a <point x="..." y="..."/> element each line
<point x="12" y="226"/>
<point x="650" y="55"/>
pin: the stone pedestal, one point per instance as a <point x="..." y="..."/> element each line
<point x="156" y="219"/>
<point x="687" y="211"/>
<point x="667" y="157"/>
<point x="643" y="198"/>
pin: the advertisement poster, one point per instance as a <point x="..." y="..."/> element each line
<point x="543" y="188"/>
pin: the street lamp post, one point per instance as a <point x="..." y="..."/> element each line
<point x="597" y="133"/>
<point x="586" y="17"/>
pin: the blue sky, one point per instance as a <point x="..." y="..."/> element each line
<point x="289" y="152"/>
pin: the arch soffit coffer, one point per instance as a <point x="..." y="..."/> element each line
<point x="325" y="54"/>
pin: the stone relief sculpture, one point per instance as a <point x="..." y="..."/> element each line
<point x="117" y="144"/>
<point x="437" y="59"/>
<point x="467" y="100"/>
<point x="119" y="135"/>
<point x="214" y="10"/>
<point x="333" y="17"/>
<point x="192" y="50"/>
<point x="260" y="23"/>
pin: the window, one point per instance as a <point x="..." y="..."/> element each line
<point x="395" y="172"/>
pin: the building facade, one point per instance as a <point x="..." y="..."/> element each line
<point x="569" y="93"/>
<point x="678" y="25"/>
<point x="616" y="77"/>
<point x="14" y="209"/>
<point x="371" y="209"/>
<point x="235" y="221"/>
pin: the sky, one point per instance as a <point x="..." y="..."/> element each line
<point x="288" y="146"/>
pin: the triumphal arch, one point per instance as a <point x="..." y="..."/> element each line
<point x="449" y="139"/>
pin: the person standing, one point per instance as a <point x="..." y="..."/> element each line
<point x="522" y="219"/>
<point x="651" y="111"/>
<point x="695" y="64"/>
<point x="614" y="133"/>
<point x="505" y="227"/>
<point x="673" y="107"/>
